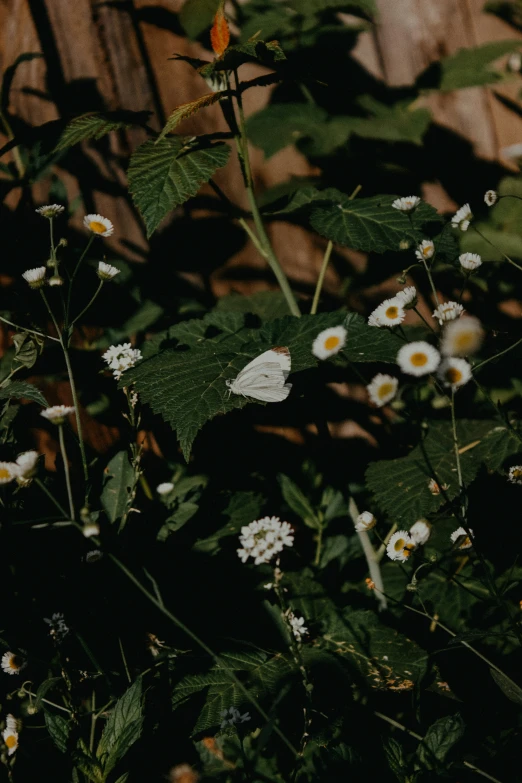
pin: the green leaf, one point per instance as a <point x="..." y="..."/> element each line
<point x="164" y="174"/>
<point x="319" y="6"/>
<point x="449" y="598"/>
<point x="243" y="508"/>
<point x="187" y="110"/>
<point x="266" y="304"/>
<point x="123" y="727"/>
<point x="266" y="53"/>
<point x="439" y="740"/>
<point x="401" y="122"/>
<point x="197" y="15"/>
<point x="119" y="480"/>
<point x="144" y="317"/>
<point x="471" y="67"/>
<point x="340" y="548"/>
<point x="395" y="758"/>
<point x="367" y="343"/>
<point x="23" y="390"/>
<point x="298" y="502"/>
<point x="44" y="688"/>
<point x="176" y="520"/>
<point x="59" y="729"/>
<point x="27" y="349"/>
<point x="95" y="125"/>
<point x="282" y="124"/>
<point x="507" y="686"/>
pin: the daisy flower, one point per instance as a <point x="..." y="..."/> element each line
<point x="264" y="538"/>
<point x="8" y="472"/>
<point x="462" y="337"/>
<point x="57" y="413"/>
<point x="11" y="663"/>
<point x="418" y="358"/>
<point x="462" y="217"/>
<point x="400" y="546"/>
<point x="55" y="280"/>
<point x="470" y="261"/>
<point x="26" y="466"/>
<point x="515" y="474"/>
<point x="420" y="531"/>
<point x="298" y="625"/>
<point x="407" y="297"/>
<point x="90" y="529"/>
<point x="98" y="225"/>
<point x="490" y="197"/>
<point x="165" y="488"/>
<point x="106" y="271"/>
<point x="50" y="210"/>
<point x="382" y="389"/>
<point x="231" y="717"/>
<point x="389" y="313"/>
<point x="454" y="372"/>
<point x="365" y="521"/>
<point x="329" y="342"/>
<point x="10" y="738"/>
<point x="447" y="311"/>
<point x="35" y="277"/>
<point x="406" y="204"/>
<point x="467" y="543"/>
<point x="425" y="250"/>
<point x="121" y="357"/>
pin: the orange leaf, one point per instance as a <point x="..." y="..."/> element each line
<point x="220" y="34"/>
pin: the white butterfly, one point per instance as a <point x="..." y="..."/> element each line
<point x="264" y="378"/>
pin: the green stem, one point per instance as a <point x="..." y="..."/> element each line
<point x="51" y="235"/>
<point x="93" y="720"/>
<point x="415" y="310"/>
<point x="217" y="660"/>
<point x="127" y="672"/>
<point x="371" y="557"/>
<point x="76" y="268"/>
<point x="66" y="470"/>
<point x="322" y="273"/>
<point x="497" y="356"/>
<point x="52" y="703"/>
<point x="430" y="278"/>
<point x="29" y="331"/>
<point x="463" y="504"/>
<point x="51" y="497"/>
<point x="87" y="305"/>
<point x="319" y="545"/>
<point x="510" y="260"/>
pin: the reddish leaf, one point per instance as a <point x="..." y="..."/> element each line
<point x="220" y="34"/>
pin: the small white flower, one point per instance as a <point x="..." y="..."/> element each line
<point x="365" y="521"/>
<point x="9" y="471"/>
<point x="418" y="358"/>
<point x="58" y="628"/>
<point x="10" y="737"/>
<point x="389" y="313"/>
<point x="470" y="261"/>
<point x="329" y="342"/>
<point x="407" y="297"/>
<point x="406" y="204"/>
<point x="165" y="488"/>
<point x="264" y="538"/>
<point x="11" y="722"/>
<point x="454" y="372"/>
<point x="462" y="337"/>
<point x="382" y="389"/>
<point x="425" y="250"/>
<point x="447" y="311"/>
<point x="435" y="489"/>
<point x="515" y="474"/>
<point x="233" y="716"/>
<point x="106" y="271"/>
<point x="121" y="358"/>
<point x="57" y="413"/>
<point x="26" y="467"/>
<point x="55" y="280"/>
<point x="400" y="546"/>
<point x="490" y="197"/>
<point x="462" y="217"/>
<point x="11" y="663"/>
<point x="99" y="225"/>
<point x="420" y="531"/>
<point x="35" y="277"/>
<point x="50" y="210"/>
<point x="91" y="529"/>
<point x="467" y="543"/>
<point x="298" y="625"/>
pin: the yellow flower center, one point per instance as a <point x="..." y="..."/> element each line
<point x="399" y="544"/>
<point x="11" y="741"/>
<point x="4" y="473"/>
<point x="384" y="390"/>
<point x="12" y="663"/>
<point x="516" y="473"/>
<point x="465" y="543"/>
<point x="464" y="340"/>
<point x="426" y="251"/>
<point x="331" y="342"/>
<point x="418" y="359"/>
<point x="392" y="312"/>
<point x="453" y="375"/>
<point x="97" y="227"/>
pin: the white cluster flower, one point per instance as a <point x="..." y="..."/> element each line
<point x="418" y="358"/>
<point x="106" y="272"/>
<point x="389" y="313"/>
<point x="58" y="628"/>
<point x="467" y="543"/>
<point x="462" y="218"/>
<point x="11" y="663"/>
<point x="329" y="342"/>
<point x="447" y="311"/>
<point x="164" y="488"/>
<point x="365" y="521"/>
<point x="400" y="546"/>
<point x="26" y="463"/>
<point x="382" y="389"/>
<point x="490" y="197"/>
<point x="515" y="474"/>
<point x="264" y="538"/>
<point x="50" y="210"/>
<point x="470" y="261"/>
<point x="462" y="337"/>
<point x="35" y="277"/>
<point x="121" y="358"/>
<point x="420" y="531"/>
<point x="57" y="413"/>
<point x="98" y="225"/>
<point x="454" y="372"/>
<point x="233" y="716"/>
<point x="425" y="250"/>
<point x="298" y="625"/>
<point x="406" y="204"/>
<point x="407" y="297"/>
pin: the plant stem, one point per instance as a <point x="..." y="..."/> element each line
<point x="93" y="720"/>
<point x="319" y="545"/>
<point x="76" y="268"/>
<point x="491" y="358"/>
<point x="463" y="504"/>
<point x="52" y="703"/>
<point x="496" y="248"/>
<point x="371" y="558"/>
<point x="66" y="469"/>
<point x="415" y="310"/>
<point x="30" y="331"/>
<point x="322" y="273"/>
<point x="51" y="497"/>
<point x="88" y="305"/>
<point x="268" y="253"/>
<point x="430" y="278"/>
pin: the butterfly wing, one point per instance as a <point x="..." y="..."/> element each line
<point x="264" y="377"/>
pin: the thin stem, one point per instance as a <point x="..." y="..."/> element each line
<point x="100" y="284"/>
<point x="319" y="545"/>
<point x="76" y="410"/>
<point x="52" y="703"/>
<point x="76" y="268"/>
<point x="127" y="672"/>
<point x="93" y="720"/>
<point x="51" y="497"/>
<point x="66" y="470"/>
<point x="51" y="237"/>
<point x="30" y="331"/>
<point x="457" y="456"/>
<point x="430" y="278"/>
<point x="162" y="608"/>
<point x="415" y="310"/>
<point x="510" y="260"/>
<point x="371" y="559"/>
<point x="322" y="273"/>
<point x="491" y="358"/>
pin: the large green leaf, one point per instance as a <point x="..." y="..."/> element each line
<point x="439" y="740"/>
<point x="400" y="122"/>
<point x="197" y="15"/>
<point x="186" y="110"/>
<point x="298" y="501"/>
<point x="22" y="390"/>
<point x="166" y="173"/>
<point x="472" y="67"/>
<point x="266" y="304"/>
<point x="97" y="124"/>
<point x="119" y="480"/>
<point x="243" y="508"/>
<point x="123" y="727"/>
<point x="59" y="728"/>
<point x="368" y="343"/>
<point x="282" y="124"/>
